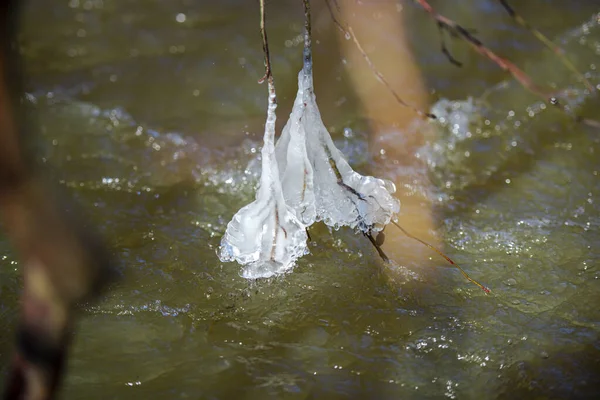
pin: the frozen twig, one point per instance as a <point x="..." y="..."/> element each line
<point x="265" y="236"/>
<point x="318" y="183"/>
<point x="547" y="42"/>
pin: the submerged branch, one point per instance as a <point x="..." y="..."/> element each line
<point x="377" y="244"/>
<point x="484" y="288"/>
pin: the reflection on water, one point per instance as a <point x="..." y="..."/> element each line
<point x="152" y="120"/>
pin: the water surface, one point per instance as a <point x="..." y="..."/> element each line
<point x="154" y="125"/>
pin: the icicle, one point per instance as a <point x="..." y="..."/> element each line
<point x="315" y="168"/>
<point x="291" y="150"/>
<point x="265" y="236"/>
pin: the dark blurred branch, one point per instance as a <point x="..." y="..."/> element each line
<point x="64" y="263"/>
<point x="444" y="48"/>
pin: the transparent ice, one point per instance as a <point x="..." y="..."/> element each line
<point x="292" y="157"/>
<point x="265" y="236"/>
<point x="305" y="151"/>
<point x="304" y="179"/>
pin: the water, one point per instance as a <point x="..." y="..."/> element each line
<point x="155" y="126"/>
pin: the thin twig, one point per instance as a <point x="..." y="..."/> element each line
<point x="445" y="50"/>
<point x="458" y="30"/>
<point x="525" y="80"/>
<point x="265" y="42"/>
<point x="307" y="35"/>
<point x="377" y="246"/>
<point x="484" y="288"/>
<point x="348" y="32"/>
<point x="547" y="42"/>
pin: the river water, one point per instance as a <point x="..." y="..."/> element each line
<point x="150" y="114"/>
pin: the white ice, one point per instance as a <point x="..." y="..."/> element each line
<point x="305" y="151"/>
<point x="293" y="160"/>
<point x="265" y="236"/>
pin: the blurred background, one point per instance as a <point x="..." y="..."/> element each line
<point x="150" y="113"/>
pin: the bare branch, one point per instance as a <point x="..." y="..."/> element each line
<point x="525" y="80"/>
<point x="348" y="32"/>
<point x="458" y="30"/>
<point x="268" y="71"/>
<point x="265" y="43"/>
<point x="547" y="42"/>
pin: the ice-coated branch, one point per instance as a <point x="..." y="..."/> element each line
<point x="265" y="236"/>
<point x="316" y="169"/>
<point x="291" y="151"/>
<point x="455" y="29"/>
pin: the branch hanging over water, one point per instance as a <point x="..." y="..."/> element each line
<point x="349" y="33"/>
<point x="525" y="80"/>
<point x="457" y="30"/>
<point x="547" y="42"/>
<point x="265" y="44"/>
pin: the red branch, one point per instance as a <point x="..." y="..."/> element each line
<point x="457" y="30"/>
<point x="525" y="80"/>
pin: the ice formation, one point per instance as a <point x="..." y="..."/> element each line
<point x="305" y="151"/>
<point x="292" y="154"/>
<point x="265" y="236"/>
<point x="317" y="184"/>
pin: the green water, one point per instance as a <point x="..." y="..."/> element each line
<point x="154" y="125"/>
